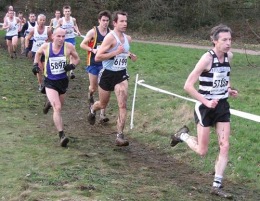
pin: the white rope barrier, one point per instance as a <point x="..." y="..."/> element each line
<point x="133" y="103"/>
<point x="238" y="113"/>
<point x="82" y="36"/>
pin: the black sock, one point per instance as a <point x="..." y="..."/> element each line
<point x="61" y="134"/>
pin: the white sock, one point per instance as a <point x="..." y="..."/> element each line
<point x="217" y="181"/>
<point x="184" y="137"/>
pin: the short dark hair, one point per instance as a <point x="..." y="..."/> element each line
<point x="214" y="33"/>
<point x="105" y="13"/>
<point x="66" y="7"/>
<point x="116" y="13"/>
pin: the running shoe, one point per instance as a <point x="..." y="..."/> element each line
<point x="64" y="141"/>
<point x="47" y="107"/>
<point x="72" y="75"/>
<point x="91" y="118"/>
<point x="103" y="119"/>
<point x="219" y="192"/>
<point x="175" y="139"/>
<point x="120" y="141"/>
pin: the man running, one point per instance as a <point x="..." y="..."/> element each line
<point x="212" y="108"/>
<point x="114" y="52"/>
<point x="55" y="21"/>
<point x="40" y="34"/>
<point x="27" y="27"/>
<point x="60" y="58"/>
<point x="20" y="33"/>
<point x="12" y="27"/>
<point x="91" y="43"/>
<point x="69" y="24"/>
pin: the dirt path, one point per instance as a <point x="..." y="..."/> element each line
<point x="242" y="51"/>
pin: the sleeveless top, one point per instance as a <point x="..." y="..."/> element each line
<point x="213" y="83"/>
<point x="39" y="39"/>
<point x="95" y="44"/>
<point x="69" y="27"/>
<point x="14" y="26"/>
<point x="54" y="63"/>
<point x="54" y="23"/>
<point x="119" y="62"/>
<point x="30" y="27"/>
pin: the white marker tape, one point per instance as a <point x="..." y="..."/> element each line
<point x="78" y="35"/>
<point x="238" y="113"/>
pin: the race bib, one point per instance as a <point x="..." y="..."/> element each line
<point x="220" y="83"/>
<point x="57" y="65"/>
<point x="120" y="61"/>
<point x="39" y="43"/>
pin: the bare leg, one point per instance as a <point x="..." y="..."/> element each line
<point x="223" y="132"/>
<point x="121" y="94"/>
<point x="56" y="101"/>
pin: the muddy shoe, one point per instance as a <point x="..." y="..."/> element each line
<point x="91" y="118"/>
<point x="219" y="192"/>
<point x="120" y="141"/>
<point x="175" y="139"/>
<point x="64" y="141"/>
<point x="103" y="119"/>
<point x="47" y="107"/>
<point x="72" y="75"/>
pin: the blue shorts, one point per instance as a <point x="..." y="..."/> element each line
<point x="94" y="70"/>
<point x="71" y="40"/>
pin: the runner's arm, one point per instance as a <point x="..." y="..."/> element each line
<point x="108" y="43"/>
<point x="28" y="37"/>
<point x="74" y="57"/>
<point x="203" y="64"/>
<point x="86" y="40"/>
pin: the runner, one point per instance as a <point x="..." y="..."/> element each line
<point x="54" y="21"/>
<point x="40" y="34"/>
<point x="114" y="52"/>
<point x="69" y="24"/>
<point x="212" y="109"/>
<point x="27" y="27"/>
<point x="57" y="64"/>
<point x="20" y="33"/>
<point x="12" y="27"/>
<point x="10" y="8"/>
<point x="91" y="43"/>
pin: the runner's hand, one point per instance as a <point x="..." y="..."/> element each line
<point x="35" y="68"/>
<point x="69" y="67"/>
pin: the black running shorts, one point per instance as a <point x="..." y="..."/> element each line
<point x="109" y="79"/>
<point x="209" y="117"/>
<point x="60" y="86"/>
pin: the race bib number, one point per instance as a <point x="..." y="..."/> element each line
<point x="120" y="61"/>
<point x="220" y="83"/>
<point x="39" y="43"/>
<point x="57" y="65"/>
<point x="69" y="31"/>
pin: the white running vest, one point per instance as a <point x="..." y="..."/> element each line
<point x="69" y="27"/>
<point x="14" y="26"/>
<point x="119" y="62"/>
<point x="39" y="39"/>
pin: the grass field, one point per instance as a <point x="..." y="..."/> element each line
<point x="35" y="168"/>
